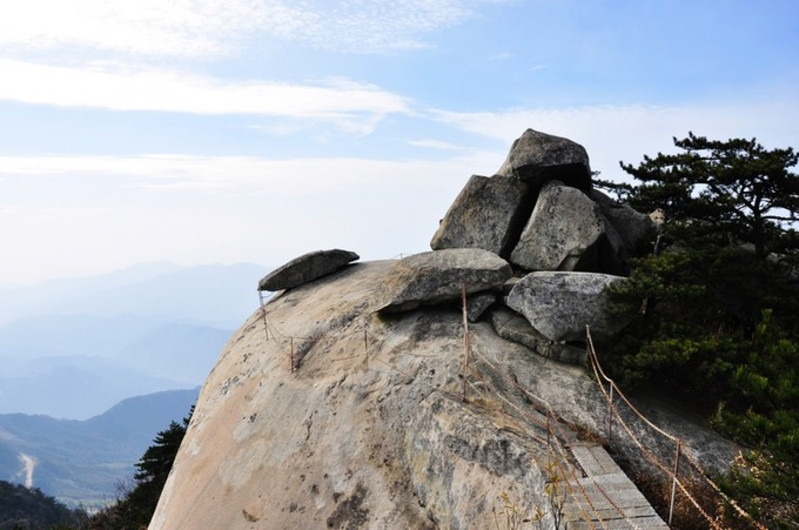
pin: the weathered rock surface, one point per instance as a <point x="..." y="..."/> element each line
<point x="306" y="268"/>
<point x="633" y="227"/>
<point x="435" y="277"/>
<point x="512" y="326"/>
<point x="564" y="231"/>
<point x="476" y="305"/>
<point x="560" y="304"/>
<point x="370" y="430"/>
<point x="485" y="215"/>
<point x="536" y="157"/>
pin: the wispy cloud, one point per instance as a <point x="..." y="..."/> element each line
<point x="203" y="28"/>
<point x="160" y="90"/>
<point x="194" y="28"/>
<point x="246" y="174"/>
<point x="432" y="143"/>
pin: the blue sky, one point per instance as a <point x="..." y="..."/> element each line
<point x="222" y="131"/>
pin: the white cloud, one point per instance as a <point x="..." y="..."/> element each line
<point x="202" y="28"/>
<point x="354" y="105"/>
<point x="192" y="28"/>
<point x="432" y="143"/>
<point x="247" y="174"/>
<point x="613" y="133"/>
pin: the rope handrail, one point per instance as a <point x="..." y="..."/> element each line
<point x="598" y="368"/>
<point x="598" y="372"/>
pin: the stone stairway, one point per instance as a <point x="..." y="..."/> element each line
<point x="626" y="507"/>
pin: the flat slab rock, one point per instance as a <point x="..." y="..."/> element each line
<point x="560" y="304"/>
<point x="436" y="277"/>
<point x="306" y="268"/>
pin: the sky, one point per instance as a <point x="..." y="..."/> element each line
<point x="226" y="131"/>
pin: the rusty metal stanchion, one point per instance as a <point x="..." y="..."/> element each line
<point x="263" y="314"/>
<point x="610" y="414"/>
<point x="465" y="340"/>
<point x="366" y="349"/>
<point x="291" y="354"/>
<point x="674" y="482"/>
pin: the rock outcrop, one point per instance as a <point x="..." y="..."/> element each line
<point x="484" y="215"/>
<point x="436" y="277"/>
<point x="537" y="157"/>
<point x="563" y="232"/>
<point x="306" y="268"/>
<point x="370" y="429"/>
<point x="362" y="396"/>
<point x="540" y="212"/>
<point x="560" y="305"/>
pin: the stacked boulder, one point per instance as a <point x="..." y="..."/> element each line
<point x="533" y="248"/>
<point x="563" y="242"/>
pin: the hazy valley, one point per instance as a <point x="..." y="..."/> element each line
<point x="93" y="367"/>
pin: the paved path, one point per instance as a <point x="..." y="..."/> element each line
<point x="603" y="475"/>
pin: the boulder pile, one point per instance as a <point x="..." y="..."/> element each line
<point x="535" y="238"/>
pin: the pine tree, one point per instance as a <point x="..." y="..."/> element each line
<point x="136" y="508"/>
<point x="719" y="322"/>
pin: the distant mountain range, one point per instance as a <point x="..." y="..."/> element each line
<point x="85" y="462"/>
<point x="71" y="348"/>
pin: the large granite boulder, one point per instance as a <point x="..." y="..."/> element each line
<point x="536" y="157"/>
<point x="560" y="304"/>
<point x="371" y="430"/>
<point x="485" y="214"/>
<point x="436" y="277"/>
<point x="306" y="268"/>
<point x="563" y="232"/>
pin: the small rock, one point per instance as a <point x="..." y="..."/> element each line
<point x="476" y="305"/>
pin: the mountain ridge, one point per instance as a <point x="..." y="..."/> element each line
<point x="84" y="461"/>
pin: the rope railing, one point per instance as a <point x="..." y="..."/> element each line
<point x="679" y="454"/>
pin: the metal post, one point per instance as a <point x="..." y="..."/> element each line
<point x="610" y="413"/>
<point x="263" y="314"/>
<point x="674" y="482"/>
<point x="366" y="349"/>
<point x="465" y="339"/>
